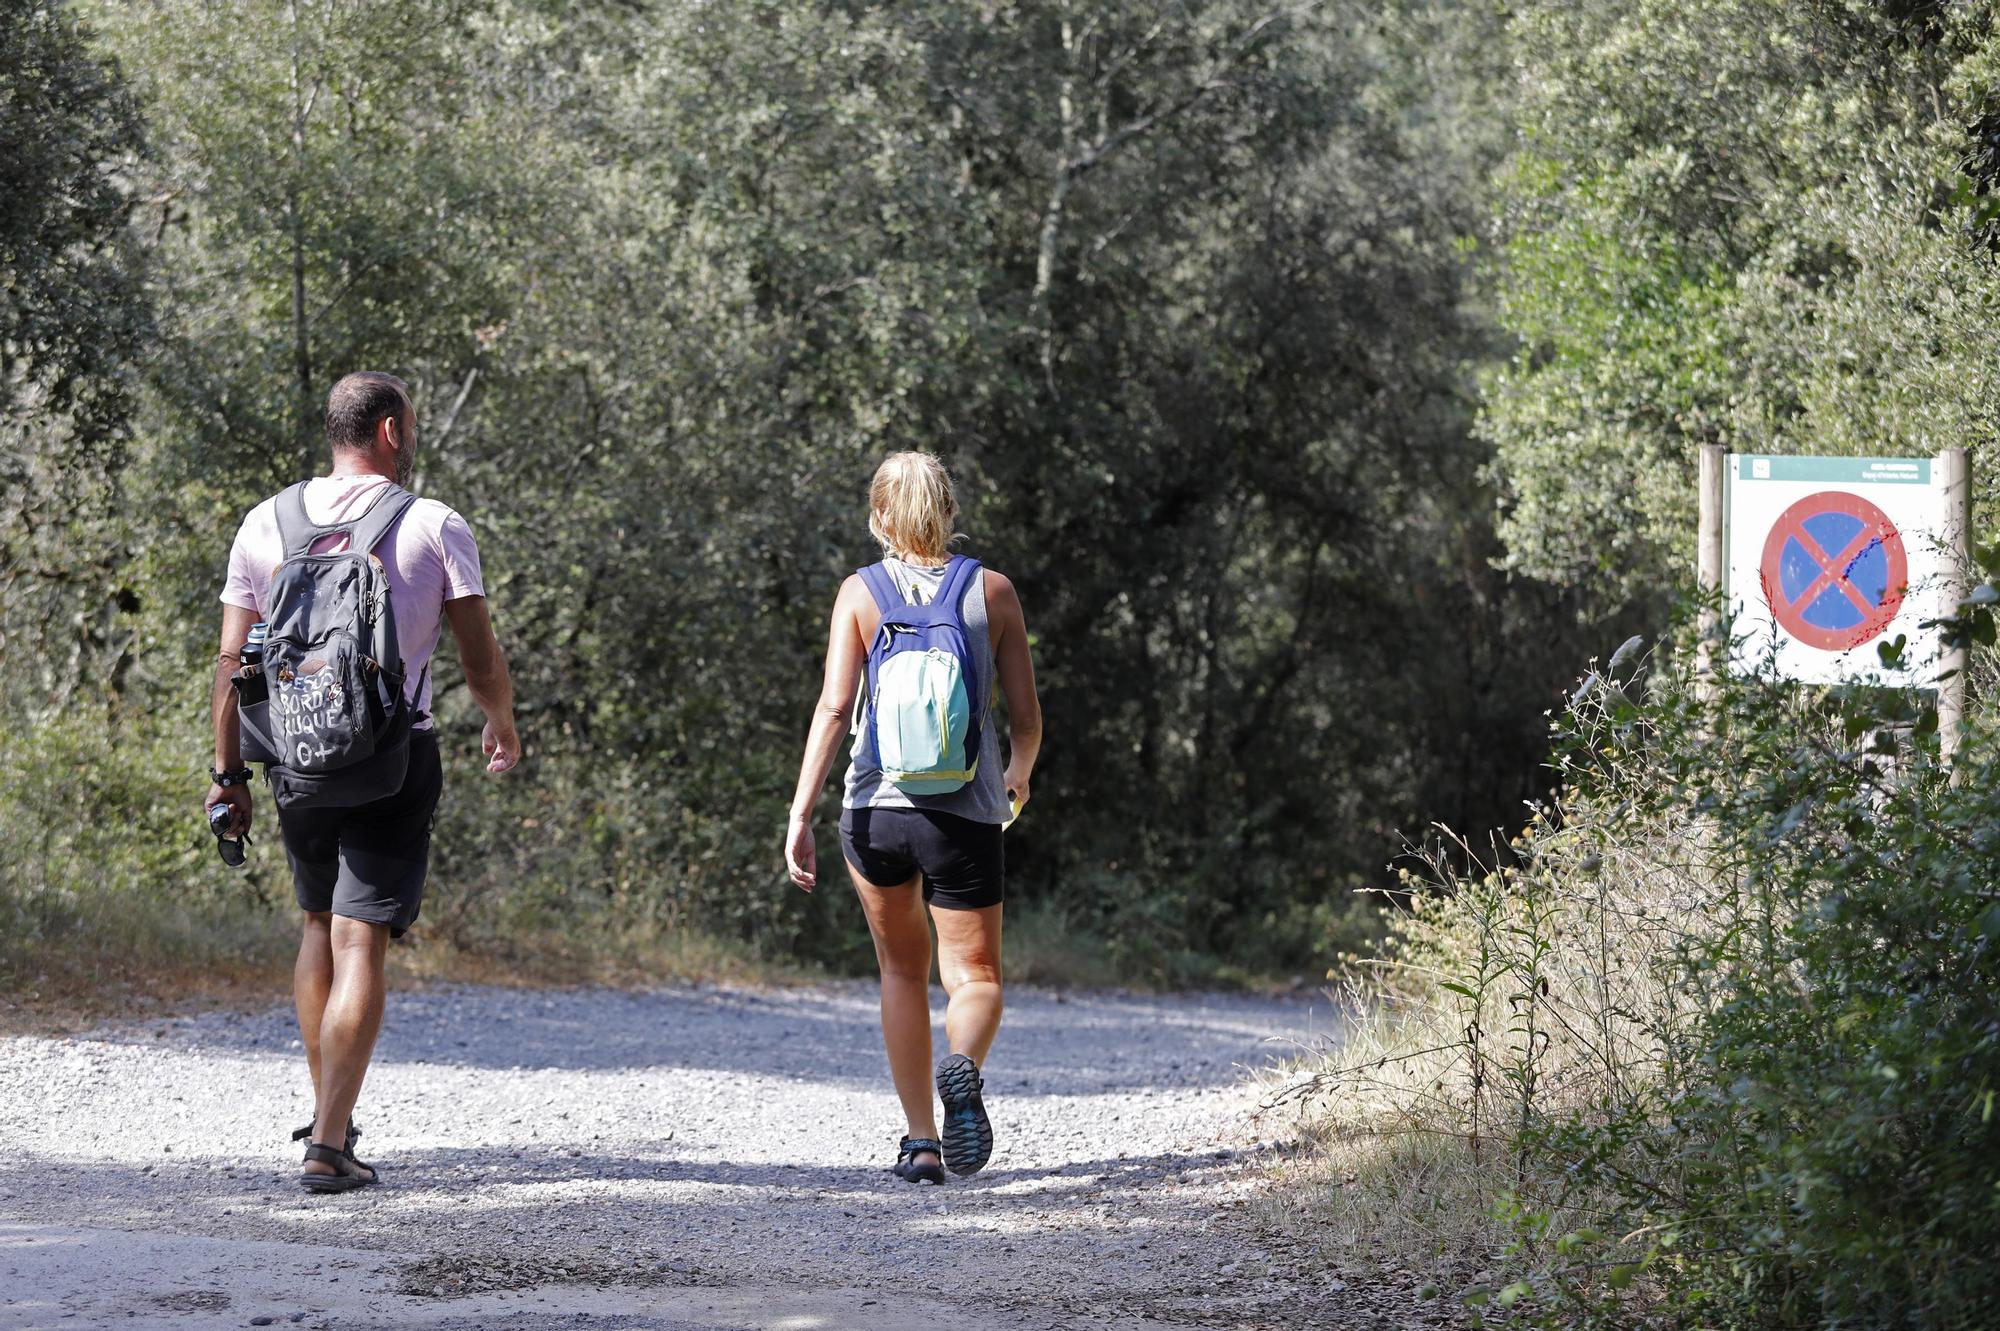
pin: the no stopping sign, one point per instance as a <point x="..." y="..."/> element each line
<point x="1834" y="570"/>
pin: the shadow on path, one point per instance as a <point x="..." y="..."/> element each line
<point x="1085" y="1235"/>
<point x="1050" y="1044"/>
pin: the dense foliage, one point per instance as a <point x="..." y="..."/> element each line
<point x="1178" y="291"/>
<point x="1757" y="223"/>
<point x="1322" y="374"/>
<point x="71" y="327"/>
<point x="1712" y="1042"/>
<point x="1720" y="1045"/>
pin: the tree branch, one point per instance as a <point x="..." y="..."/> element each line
<point x="1075" y="163"/>
<point x="451" y="417"/>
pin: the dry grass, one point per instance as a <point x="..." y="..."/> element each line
<point x="1389" y="1183"/>
<point x="1041" y="946"/>
<point x="110" y="957"/>
<point x="630" y="959"/>
<point x="1515" y="998"/>
<point x="114" y="961"/>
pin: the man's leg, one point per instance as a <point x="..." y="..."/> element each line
<point x="348" y="1029"/>
<point x="312" y="978"/>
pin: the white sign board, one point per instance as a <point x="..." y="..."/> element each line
<point x="1826" y="559"/>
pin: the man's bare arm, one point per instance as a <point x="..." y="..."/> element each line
<point x="236" y="622"/>
<point x="486" y="675"/>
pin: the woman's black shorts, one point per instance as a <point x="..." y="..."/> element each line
<point x="963" y="862"/>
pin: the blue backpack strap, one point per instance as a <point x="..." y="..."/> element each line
<point x="887" y="596"/>
<point x="882" y="587"/>
<point x="958" y="580"/>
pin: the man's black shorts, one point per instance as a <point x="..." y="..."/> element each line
<point x="963" y="862"/>
<point x="369" y="862"/>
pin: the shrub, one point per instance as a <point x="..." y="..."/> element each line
<point x="1715" y="1041"/>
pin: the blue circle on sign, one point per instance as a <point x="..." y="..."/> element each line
<point x="1867" y="572"/>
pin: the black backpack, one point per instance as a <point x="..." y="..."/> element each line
<point x="334" y="728"/>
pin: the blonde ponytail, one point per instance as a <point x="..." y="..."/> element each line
<point x="911" y="509"/>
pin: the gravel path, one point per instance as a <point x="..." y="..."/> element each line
<point x="699" y="1157"/>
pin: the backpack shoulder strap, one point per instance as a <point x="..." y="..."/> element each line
<point x="295" y="530"/>
<point x="366" y="532"/>
<point x="959" y="578"/>
<point x="882" y="587"/>
<point x="888" y="596"/>
<point x="957" y="582"/>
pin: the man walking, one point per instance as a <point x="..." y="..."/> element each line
<point x="358" y="871"/>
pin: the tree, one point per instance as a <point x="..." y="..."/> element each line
<point x="1181" y="292"/>
<point x="1728" y="223"/>
<point x="71" y="317"/>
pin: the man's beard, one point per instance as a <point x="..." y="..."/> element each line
<point x="406" y="465"/>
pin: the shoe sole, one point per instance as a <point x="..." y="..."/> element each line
<point x="968" y="1133"/>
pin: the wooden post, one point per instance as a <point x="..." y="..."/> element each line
<point x="1709" y="554"/>
<point x="1955" y="481"/>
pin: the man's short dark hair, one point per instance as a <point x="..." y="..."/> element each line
<point x="359" y="403"/>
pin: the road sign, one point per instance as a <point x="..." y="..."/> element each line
<point x="1828" y="558"/>
<point x="1834" y="570"/>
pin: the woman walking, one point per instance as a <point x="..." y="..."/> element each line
<point x="935" y="637"/>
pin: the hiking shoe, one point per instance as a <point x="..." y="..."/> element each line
<point x="968" y="1135"/>
<point x="907" y="1167"/>
<point x="348" y="1173"/>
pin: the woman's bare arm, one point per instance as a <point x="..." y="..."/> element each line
<point x="1017" y="683"/>
<point x="846" y="653"/>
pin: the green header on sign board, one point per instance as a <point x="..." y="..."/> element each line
<point x="1876" y="471"/>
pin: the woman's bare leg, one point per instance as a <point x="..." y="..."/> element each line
<point x="903" y="952"/>
<point x="969" y="964"/>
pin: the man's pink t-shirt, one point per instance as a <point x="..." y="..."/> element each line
<point x="434" y="560"/>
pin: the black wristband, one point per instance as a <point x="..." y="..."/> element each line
<point x="240" y="777"/>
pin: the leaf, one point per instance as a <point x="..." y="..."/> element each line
<point x="1577" y="1238"/>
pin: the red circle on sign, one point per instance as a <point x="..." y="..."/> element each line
<point x="1798" y="591"/>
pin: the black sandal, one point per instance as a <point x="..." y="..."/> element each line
<point x="347" y="1175"/>
<point x="907" y="1167"/>
<point x="353" y="1133"/>
<point x="968" y="1133"/>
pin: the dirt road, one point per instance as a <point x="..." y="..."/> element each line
<point x="702" y="1157"/>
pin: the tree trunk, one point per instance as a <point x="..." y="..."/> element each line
<point x="302" y="367"/>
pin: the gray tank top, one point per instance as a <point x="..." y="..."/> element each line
<point x="982" y="799"/>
